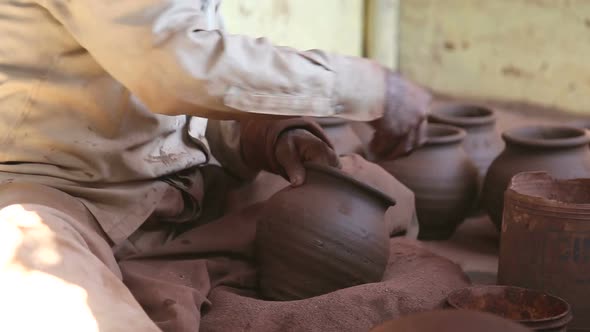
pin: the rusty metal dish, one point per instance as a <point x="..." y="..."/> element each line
<point x="531" y="308"/>
<point x="450" y="321"/>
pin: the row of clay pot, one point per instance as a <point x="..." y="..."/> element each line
<point x="447" y="174"/>
<point x="465" y="159"/>
<point x="441" y="179"/>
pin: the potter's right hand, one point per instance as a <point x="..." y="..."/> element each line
<point x="402" y="127"/>
<point x="297" y="146"/>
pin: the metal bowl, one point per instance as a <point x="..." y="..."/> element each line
<point x="532" y="308"/>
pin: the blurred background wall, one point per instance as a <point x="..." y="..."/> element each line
<point x="333" y="25"/>
<point x="533" y="51"/>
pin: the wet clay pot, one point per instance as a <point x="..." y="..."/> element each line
<point x="535" y="310"/>
<point x="483" y="142"/>
<point x="561" y="151"/>
<point x="323" y="236"/>
<point x="545" y="242"/>
<point x="442" y="178"/>
<point x="450" y="321"/>
<point x="342" y="136"/>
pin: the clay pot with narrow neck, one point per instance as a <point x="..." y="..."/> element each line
<point x="560" y="150"/>
<point x="325" y="235"/>
<point x="443" y="179"/>
<point x="482" y="143"/>
<point x="343" y="137"/>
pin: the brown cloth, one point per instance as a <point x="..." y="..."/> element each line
<point x="206" y="278"/>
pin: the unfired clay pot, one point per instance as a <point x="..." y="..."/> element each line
<point x="443" y="179"/>
<point x="342" y="136"/>
<point x="561" y="151"/>
<point x="323" y="236"/>
<point x="482" y="143"/>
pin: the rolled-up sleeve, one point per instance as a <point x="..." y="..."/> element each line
<point x="173" y="57"/>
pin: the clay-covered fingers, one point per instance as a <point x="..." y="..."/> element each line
<point x="415" y="138"/>
<point x="387" y="146"/>
<point x="402" y="128"/>
<point x="295" y="147"/>
<point x="289" y="160"/>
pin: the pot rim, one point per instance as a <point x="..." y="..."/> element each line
<point x="566" y="312"/>
<point x="463" y="115"/>
<point x="445" y="134"/>
<point x="332" y="171"/>
<point x="540" y="201"/>
<point x="533" y="136"/>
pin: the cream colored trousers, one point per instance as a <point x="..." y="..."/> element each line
<point x="57" y="270"/>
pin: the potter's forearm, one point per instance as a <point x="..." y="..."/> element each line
<point x="171" y="55"/>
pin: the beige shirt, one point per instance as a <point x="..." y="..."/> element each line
<point x="99" y="98"/>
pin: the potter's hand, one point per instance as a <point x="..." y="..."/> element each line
<point x="402" y="127"/>
<point x="294" y="147"/>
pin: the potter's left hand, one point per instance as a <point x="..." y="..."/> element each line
<point x="294" y="147"/>
<point x="402" y="127"/>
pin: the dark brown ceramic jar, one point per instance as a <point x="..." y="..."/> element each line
<point x="443" y="179"/>
<point x="342" y="136"/>
<point x="482" y="143"/>
<point x="561" y="151"/>
<point x="326" y="235"/>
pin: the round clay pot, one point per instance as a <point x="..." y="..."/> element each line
<point x="443" y="179"/>
<point x="450" y="321"/>
<point x="482" y="143"/>
<point x="561" y="151"/>
<point x="323" y="236"/>
<point x="342" y="136"/>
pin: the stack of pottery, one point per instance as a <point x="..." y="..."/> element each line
<point x="323" y="236"/>
<point x="442" y="178"/>
<point x="545" y="241"/>
<point x="561" y="151"/>
<point x="342" y="136"/>
<point x="482" y="143"/>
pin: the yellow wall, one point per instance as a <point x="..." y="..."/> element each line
<point x="332" y="25"/>
<point x="382" y="31"/>
<point x="525" y="50"/>
<point x="535" y="51"/>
